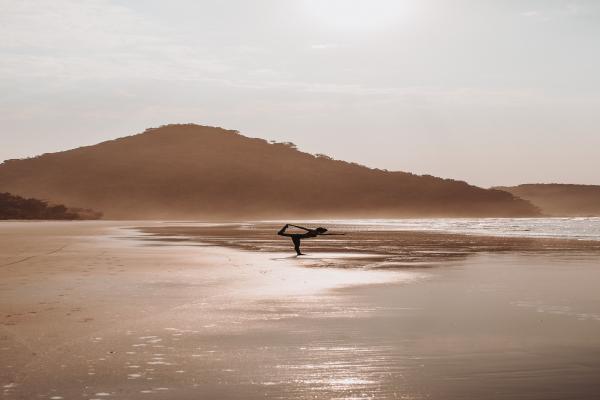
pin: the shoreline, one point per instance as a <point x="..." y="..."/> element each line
<point x="376" y="249"/>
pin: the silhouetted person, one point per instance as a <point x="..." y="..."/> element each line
<point x="310" y="233"/>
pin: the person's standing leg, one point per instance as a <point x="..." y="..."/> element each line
<point x="296" y="240"/>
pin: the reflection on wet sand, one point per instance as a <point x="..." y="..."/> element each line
<point x="462" y="331"/>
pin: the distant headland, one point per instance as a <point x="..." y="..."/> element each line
<point x="557" y="199"/>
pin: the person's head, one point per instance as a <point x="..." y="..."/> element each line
<point x="320" y="230"/>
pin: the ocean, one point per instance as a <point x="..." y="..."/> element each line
<point x="582" y="228"/>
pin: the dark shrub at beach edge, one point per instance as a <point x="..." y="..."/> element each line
<point x="17" y="207"/>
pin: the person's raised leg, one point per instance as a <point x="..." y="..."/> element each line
<point x="282" y="231"/>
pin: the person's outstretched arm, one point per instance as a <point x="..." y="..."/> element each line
<point x="332" y="234"/>
<point x="301" y="227"/>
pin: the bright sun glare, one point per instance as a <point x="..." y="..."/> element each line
<point x="357" y="15"/>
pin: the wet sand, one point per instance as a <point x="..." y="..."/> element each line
<point x="97" y="310"/>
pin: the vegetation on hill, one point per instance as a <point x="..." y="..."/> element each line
<point x="560" y="199"/>
<point x="193" y="171"/>
<point x="16" y="207"/>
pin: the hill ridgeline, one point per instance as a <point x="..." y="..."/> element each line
<point x="192" y="171"/>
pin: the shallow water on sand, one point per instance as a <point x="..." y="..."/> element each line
<point x="395" y="244"/>
<point x="583" y="228"/>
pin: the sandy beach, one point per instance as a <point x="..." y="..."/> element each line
<point x="149" y="310"/>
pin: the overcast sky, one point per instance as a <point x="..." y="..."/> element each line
<point x="492" y="92"/>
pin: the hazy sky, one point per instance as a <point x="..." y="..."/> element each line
<point x="492" y="92"/>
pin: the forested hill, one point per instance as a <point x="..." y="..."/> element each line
<point x="193" y="171"/>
